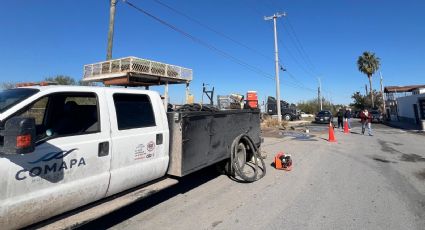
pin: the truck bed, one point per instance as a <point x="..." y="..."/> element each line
<point x="202" y="138"/>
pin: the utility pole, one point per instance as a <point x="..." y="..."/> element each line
<point x="320" y="94"/>
<point x="111" y="29"/>
<point x="276" y="52"/>
<point x="365" y="87"/>
<point x="382" y="93"/>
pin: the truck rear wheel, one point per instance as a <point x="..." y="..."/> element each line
<point x="241" y="155"/>
<point x="287" y="117"/>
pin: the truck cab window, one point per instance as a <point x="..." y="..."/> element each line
<point x="73" y="114"/>
<point x="64" y="114"/>
<point x="37" y="111"/>
<point x="133" y="111"/>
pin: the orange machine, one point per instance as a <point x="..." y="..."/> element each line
<point x="283" y="161"/>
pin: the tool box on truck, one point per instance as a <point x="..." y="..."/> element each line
<point x="203" y="138"/>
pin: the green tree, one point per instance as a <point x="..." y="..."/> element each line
<point x="364" y="101"/>
<point x="312" y="106"/>
<point x="61" y="80"/>
<point x="7" y="85"/>
<point x="368" y="64"/>
<point x="58" y="79"/>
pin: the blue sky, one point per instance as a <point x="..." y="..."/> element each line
<point x="45" y="38"/>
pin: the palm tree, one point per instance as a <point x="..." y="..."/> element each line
<point x="368" y="64"/>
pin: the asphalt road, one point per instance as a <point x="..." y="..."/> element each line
<point x="360" y="182"/>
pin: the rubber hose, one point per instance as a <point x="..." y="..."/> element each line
<point x="257" y="155"/>
<point x="235" y="163"/>
<point x="235" y="167"/>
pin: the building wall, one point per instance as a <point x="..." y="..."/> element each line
<point x="405" y="107"/>
<point x="419" y="91"/>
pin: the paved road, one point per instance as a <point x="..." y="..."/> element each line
<point x="361" y="182"/>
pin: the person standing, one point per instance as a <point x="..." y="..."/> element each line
<point x="366" y="119"/>
<point x="340" y="116"/>
<point x="347" y="116"/>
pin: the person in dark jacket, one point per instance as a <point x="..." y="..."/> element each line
<point x="340" y="116"/>
<point x="347" y="117"/>
<point x="366" y="119"/>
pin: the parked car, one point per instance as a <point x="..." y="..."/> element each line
<point x="356" y="114"/>
<point x="324" y="116"/>
<point x="376" y="116"/>
<point x="304" y="115"/>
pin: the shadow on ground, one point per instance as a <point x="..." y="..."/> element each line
<point x="185" y="184"/>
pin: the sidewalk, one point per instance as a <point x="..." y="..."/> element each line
<point x="403" y="125"/>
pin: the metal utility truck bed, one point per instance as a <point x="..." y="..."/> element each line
<point x="200" y="139"/>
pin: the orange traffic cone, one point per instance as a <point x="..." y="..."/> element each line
<point x="346" y="131"/>
<point x="331" y="133"/>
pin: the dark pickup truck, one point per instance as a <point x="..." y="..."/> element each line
<point x="289" y="111"/>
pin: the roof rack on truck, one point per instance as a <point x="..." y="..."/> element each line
<point x="42" y="83"/>
<point x="132" y="71"/>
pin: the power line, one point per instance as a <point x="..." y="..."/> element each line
<point x="295" y="39"/>
<point x="211" y="47"/>
<point x="301" y="85"/>
<point x="219" y="33"/>
<point x="306" y="70"/>
<point x="297" y="47"/>
<point x="211" y="29"/>
<point x="201" y="42"/>
<point x="294" y="78"/>
<point x="300" y="44"/>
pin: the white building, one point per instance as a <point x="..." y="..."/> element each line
<point x="406" y="104"/>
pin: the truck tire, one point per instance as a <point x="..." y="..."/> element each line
<point x="241" y="155"/>
<point x="287" y="117"/>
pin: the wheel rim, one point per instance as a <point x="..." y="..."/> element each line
<point x="241" y="155"/>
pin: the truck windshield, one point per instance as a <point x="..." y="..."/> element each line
<point x="11" y="97"/>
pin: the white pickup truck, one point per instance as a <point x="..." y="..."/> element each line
<point x="62" y="147"/>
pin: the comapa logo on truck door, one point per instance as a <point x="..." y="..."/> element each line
<point x="47" y="168"/>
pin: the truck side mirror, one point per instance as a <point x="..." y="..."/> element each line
<point x="18" y="136"/>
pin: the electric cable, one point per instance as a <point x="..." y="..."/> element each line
<point x="201" y="42"/>
<point x="300" y="44"/>
<point x="218" y="33"/>
<point x="212" y="29"/>
<point x="211" y="47"/>
<point x="306" y="70"/>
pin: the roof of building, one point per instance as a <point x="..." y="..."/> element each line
<point x="402" y="89"/>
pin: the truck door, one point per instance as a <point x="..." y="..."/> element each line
<point x="140" y="137"/>
<point x="70" y="164"/>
